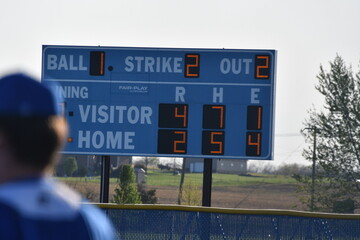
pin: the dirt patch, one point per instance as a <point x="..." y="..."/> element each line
<point x="258" y="196"/>
<point x="265" y="196"/>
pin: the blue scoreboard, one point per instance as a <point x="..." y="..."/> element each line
<point x="165" y="102"/>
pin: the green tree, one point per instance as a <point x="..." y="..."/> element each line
<point x="147" y="196"/>
<point x="191" y="195"/>
<point x="82" y="171"/>
<point x="126" y="191"/>
<point x="336" y="131"/>
<point x="148" y="161"/>
<point x="70" y="166"/>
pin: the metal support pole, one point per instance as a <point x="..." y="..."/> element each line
<point x="313" y="172"/>
<point x="105" y="179"/>
<point x="207" y="182"/>
<point x="205" y="218"/>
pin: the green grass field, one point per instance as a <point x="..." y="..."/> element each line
<point x="255" y="191"/>
<point x="156" y="177"/>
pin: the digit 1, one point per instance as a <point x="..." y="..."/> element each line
<point x="262" y="67"/>
<point x="182" y="141"/>
<point x="97" y="63"/>
<point x="254" y="117"/>
<point x="184" y="115"/>
<point x="253" y="144"/>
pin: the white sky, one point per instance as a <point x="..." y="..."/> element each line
<point x="306" y="34"/>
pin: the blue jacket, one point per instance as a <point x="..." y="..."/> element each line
<point x="43" y="209"/>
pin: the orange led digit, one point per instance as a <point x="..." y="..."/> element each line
<point x="262" y="67"/>
<point x="213" y="116"/>
<point x="192" y="64"/>
<point x="182" y="141"/>
<point x="102" y="54"/>
<point x="213" y="142"/>
<point x="259" y="118"/>
<point x="184" y="115"/>
<point x="220" y="151"/>
<point x="254" y="117"/>
<point x="253" y="146"/>
<point x="221" y="108"/>
<point x="172" y="141"/>
<point x="173" y="115"/>
<point x="97" y="63"/>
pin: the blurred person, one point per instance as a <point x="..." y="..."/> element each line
<point x="32" y="204"/>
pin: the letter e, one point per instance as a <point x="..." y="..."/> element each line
<point x="255" y="95"/>
<point x="128" y="140"/>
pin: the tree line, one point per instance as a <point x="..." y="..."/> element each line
<point x="333" y="137"/>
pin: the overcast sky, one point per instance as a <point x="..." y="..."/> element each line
<point x="305" y="33"/>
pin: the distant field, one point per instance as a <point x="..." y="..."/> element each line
<point x="256" y="191"/>
<point x="95" y="179"/>
<point x="259" y="191"/>
<point x="168" y="178"/>
<point x="158" y="178"/>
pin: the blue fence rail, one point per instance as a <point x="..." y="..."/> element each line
<point x="180" y="222"/>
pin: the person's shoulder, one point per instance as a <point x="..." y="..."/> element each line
<point x="98" y="223"/>
<point x="9" y="227"/>
<point x="45" y="199"/>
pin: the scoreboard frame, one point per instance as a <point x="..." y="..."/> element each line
<point x="231" y="92"/>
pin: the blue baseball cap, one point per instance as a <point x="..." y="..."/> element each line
<point x="23" y="96"/>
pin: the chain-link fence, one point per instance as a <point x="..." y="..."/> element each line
<point x="178" y="222"/>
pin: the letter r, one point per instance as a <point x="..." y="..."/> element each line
<point x="179" y="94"/>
